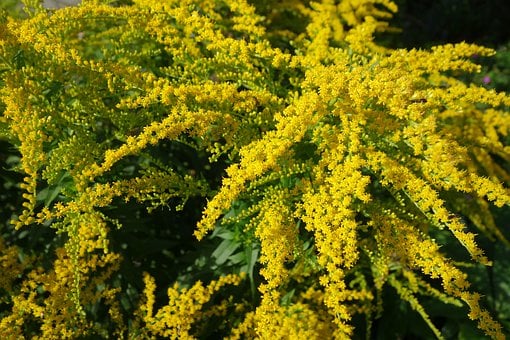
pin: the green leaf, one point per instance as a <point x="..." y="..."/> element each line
<point x="238" y="258"/>
<point x="252" y="254"/>
<point x="224" y="250"/>
<point x="223" y="233"/>
<point x="51" y="192"/>
<point x="287" y="298"/>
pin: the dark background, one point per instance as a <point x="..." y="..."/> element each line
<point x="427" y="23"/>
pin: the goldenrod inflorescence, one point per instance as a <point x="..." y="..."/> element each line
<point x="340" y="160"/>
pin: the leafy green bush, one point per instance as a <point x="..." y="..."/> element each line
<point x="215" y="169"/>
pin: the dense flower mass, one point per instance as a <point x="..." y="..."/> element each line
<point x="324" y="167"/>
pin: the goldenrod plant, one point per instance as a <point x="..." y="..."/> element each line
<point x="236" y="169"/>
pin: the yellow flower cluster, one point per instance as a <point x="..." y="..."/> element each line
<point x="298" y="321"/>
<point x="10" y="265"/>
<point x="276" y="232"/>
<point x="357" y="136"/>
<point x="175" y="320"/>
<point x="55" y="298"/>
<point x="341" y="159"/>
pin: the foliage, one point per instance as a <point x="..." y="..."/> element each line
<point x="496" y="71"/>
<point x="317" y="181"/>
